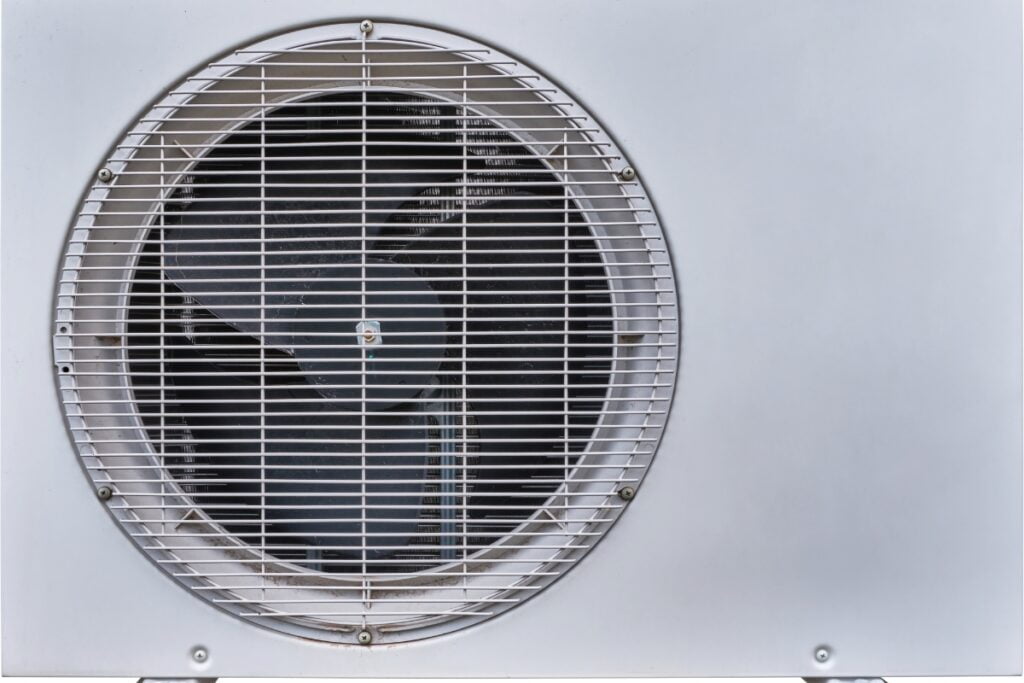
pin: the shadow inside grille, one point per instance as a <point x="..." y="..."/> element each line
<point x="429" y="441"/>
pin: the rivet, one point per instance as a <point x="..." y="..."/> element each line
<point x="200" y="654"/>
<point x="628" y="173"/>
<point x="104" y="493"/>
<point x="365" y="25"/>
<point x="627" y="493"/>
<point x="364" y="637"/>
<point x="822" y="654"/>
<point x="105" y="175"/>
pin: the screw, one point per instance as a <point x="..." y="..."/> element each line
<point x="369" y="335"/>
<point x="199" y="654"/>
<point x="364" y="637"/>
<point x="104" y="493"/>
<point x="365" y="25"/>
<point x="822" y="654"/>
<point x="627" y="493"/>
<point x="628" y="173"/>
<point x="105" y="175"/>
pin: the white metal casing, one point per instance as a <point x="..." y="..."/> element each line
<point x="840" y="184"/>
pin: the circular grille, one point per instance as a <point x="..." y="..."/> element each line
<point x="370" y="335"/>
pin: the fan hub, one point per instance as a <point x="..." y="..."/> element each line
<point x="368" y="333"/>
<point x="318" y="326"/>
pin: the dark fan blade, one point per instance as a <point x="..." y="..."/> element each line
<point x="306" y="448"/>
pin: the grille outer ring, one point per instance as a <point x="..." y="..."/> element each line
<point x="651" y="384"/>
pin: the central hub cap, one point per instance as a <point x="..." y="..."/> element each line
<point x="365" y="297"/>
<point x="368" y="333"/>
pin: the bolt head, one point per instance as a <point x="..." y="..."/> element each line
<point x="364" y="637"/>
<point x="365" y="25"/>
<point x="105" y="175"/>
<point x="628" y="173"/>
<point x="199" y="654"/>
<point x="627" y="493"/>
<point x="822" y="655"/>
<point x="104" y="493"/>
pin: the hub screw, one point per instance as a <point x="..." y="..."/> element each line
<point x="628" y="173"/>
<point x="627" y="493"/>
<point x="364" y="637"/>
<point x="822" y="655"/>
<point x="365" y="25"/>
<point x="105" y="175"/>
<point x="199" y="654"/>
<point x="104" y="493"/>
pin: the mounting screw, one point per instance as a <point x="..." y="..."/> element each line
<point x="822" y="654"/>
<point x="628" y="173"/>
<point x="369" y="335"/>
<point x="627" y="493"/>
<point x="365" y="25"/>
<point x="200" y="654"/>
<point x="104" y="493"/>
<point x="364" y="637"/>
<point x="105" y="175"/>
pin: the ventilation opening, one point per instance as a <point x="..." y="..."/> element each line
<point x="487" y="361"/>
<point x="366" y="333"/>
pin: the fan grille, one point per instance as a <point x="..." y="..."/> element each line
<point x="366" y="333"/>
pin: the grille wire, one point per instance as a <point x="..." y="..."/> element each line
<point x="366" y="333"/>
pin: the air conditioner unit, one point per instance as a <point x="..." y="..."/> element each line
<point x="511" y="339"/>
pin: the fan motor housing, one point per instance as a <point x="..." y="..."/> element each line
<point x="629" y="334"/>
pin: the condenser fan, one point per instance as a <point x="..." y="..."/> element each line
<point x="372" y="337"/>
<point x="345" y="289"/>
